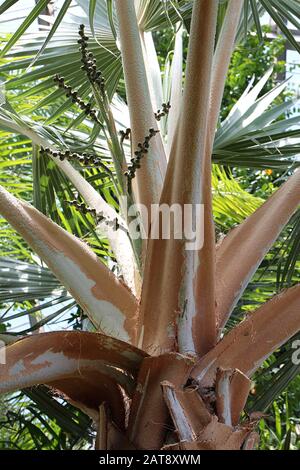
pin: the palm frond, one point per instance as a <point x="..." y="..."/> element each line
<point x="20" y="281"/>
<point x="252" y="135"/>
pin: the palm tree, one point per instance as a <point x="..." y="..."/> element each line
<point x="160" y="370"/>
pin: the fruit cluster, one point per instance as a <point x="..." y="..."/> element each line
<point x="70" y="93"/>
<point x="138" y="155"/>
<point x="89" y="62"/>
<point x="165" y="110"/>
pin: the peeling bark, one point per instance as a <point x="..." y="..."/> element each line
<point x="188" y="411"/>
<point x="170" y="269"/>
<point x="196" y="427"/>
<point x="216" y="436"/>
<point x="242" y="250"/>
<point x="149" y="418"/>
<point x="247" y="345"/>
<point x="88" y="368"/>
<point x="109" y="304"/>
<point x="232" y="390"/>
